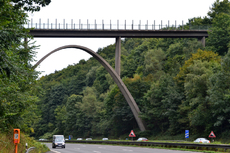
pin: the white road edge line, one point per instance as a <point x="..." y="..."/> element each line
<point x="55" y="151"/>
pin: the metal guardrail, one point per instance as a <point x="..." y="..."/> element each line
<point x="194" y="145"/>
<point x="111" y="26"/>
<point x="28" y="150"/>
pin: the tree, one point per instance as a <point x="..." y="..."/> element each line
<point x="218" y="8"/>
<point x="161" y="106"/>
<point x="219" y="96"/>
<point x="200" y="55"/>
<point x="196" y="87"/>
<point x="16" y="74"/>
<point x="71" y="114"/>
<point x="219" y="34"/>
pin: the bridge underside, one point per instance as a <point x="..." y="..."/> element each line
<point x="68" y="33"/>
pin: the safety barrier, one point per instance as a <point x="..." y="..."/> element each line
<point x="113" y="26"/>
<point x="161" y="144"/>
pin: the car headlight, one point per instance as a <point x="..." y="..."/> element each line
<point x="63" y="143"/>
<point x="55" y="143"/>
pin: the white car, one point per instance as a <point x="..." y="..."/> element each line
<point x="88" y="139"/>
<point x="79" y="138"/>
<point x="142" y="139"/>
<point x="105" y="139"/>
<point x="202" y="140"/>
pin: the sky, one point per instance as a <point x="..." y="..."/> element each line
<point x="106" y="10"/>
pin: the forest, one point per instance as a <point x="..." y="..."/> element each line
<point x="176" y="82"/>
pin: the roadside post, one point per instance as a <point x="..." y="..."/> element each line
<point x="132" y="134"/>
<point x="212" y="135"/>
<point x="186" y="134"/>
<point x="16" y="139"/>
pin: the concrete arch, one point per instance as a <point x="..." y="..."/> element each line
<point x="135" y="109"/>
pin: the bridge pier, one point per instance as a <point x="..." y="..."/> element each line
<point x="118" y="55"/>
<point x="202" y="39"/>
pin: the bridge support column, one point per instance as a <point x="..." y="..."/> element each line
<point x="202" y="41"/>
<point x="118" y="55"/>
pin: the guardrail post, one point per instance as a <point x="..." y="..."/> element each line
<point x="26" y="147"/>
<point x="39" y="23"/>
<point x="117" y="24"/>
<point x="182" y="25"/>
<point x="110" y="25"/>
<point x="168" y="24"/>
<point x="87" y="24"/>
<point x="132" y="24"/>
<point x="161" y="24"/>
<point x="79" y="23"/>
<point x="103" y="24"/>
<point x="147" y="25"/>
<point x="95" y="25"/>
<point x="63" y="23"/>
<point x="71" y="23"/>
<point x="55" y="23"/>
<point x="175" y="24"/>
<point x="139" y="24"/>
<point x="47" y="24"/>
<point x="31" y="23"/>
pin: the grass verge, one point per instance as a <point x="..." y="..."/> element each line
<point x="7" y="145"/>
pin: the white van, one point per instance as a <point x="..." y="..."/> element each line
<point x="58" y="141"/>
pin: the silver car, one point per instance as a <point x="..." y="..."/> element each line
<point x="202" y="140"/>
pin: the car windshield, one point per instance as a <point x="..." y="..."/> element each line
<point x="59" y="138"/>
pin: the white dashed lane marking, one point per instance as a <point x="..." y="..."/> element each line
<point x="127" y="150"/>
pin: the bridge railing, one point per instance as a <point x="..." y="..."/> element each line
<point x="112" y="26"/>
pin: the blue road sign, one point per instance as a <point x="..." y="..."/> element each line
<point x="69" y="137"/>
<point x="186" y="133"/>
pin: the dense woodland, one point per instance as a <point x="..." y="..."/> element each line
<point x="177" y="84"/>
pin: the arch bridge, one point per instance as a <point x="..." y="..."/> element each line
<point x="117" y="31"/>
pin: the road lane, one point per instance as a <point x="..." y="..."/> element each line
<point x="91" y="148"/>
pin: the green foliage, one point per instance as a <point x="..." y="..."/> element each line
<point x="219" y="35"/>
<point x="161" y="105"/>
<point x="200" y="55"/>
<point x="219" y="7"/>
<point x="219" y="94"/>
<point x="17" y="78"/>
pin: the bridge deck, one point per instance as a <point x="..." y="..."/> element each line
<point x="68" y="33"/>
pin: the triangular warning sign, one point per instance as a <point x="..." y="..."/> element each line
<point x="212" y="135"/>
<point x="132" y="134"/>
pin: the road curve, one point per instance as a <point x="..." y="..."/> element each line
<point x="91" y="148"/>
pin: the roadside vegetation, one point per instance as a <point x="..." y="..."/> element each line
<point x="177" y="83"/>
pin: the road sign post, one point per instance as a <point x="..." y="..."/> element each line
<point x="186" y="134"/>
<point x="132" y="134"/>
<point x="16" y="139"/>
<point x="212" y="135"/>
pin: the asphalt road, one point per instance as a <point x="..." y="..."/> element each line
<point x="90" y="148"/>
